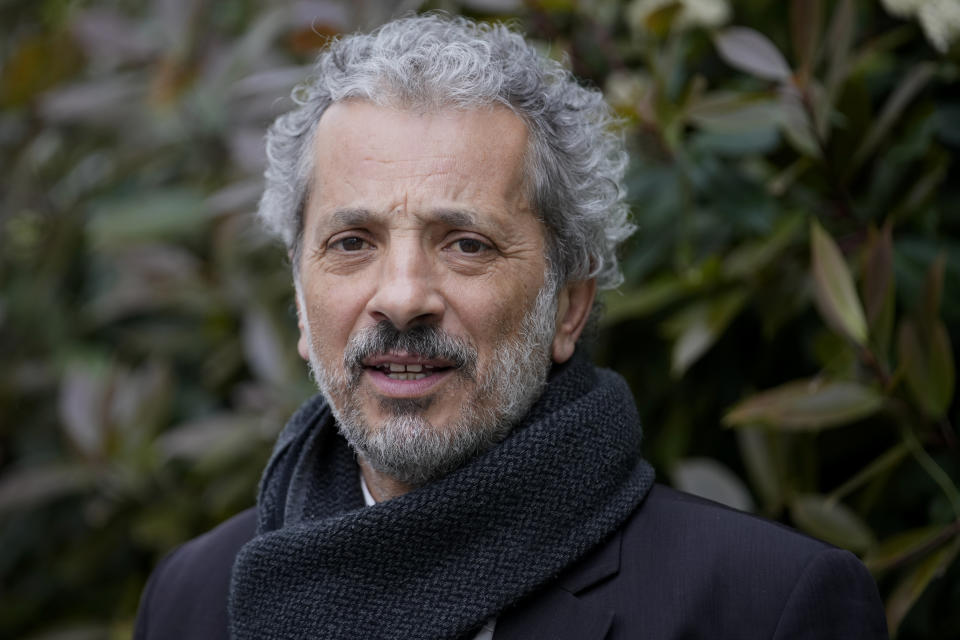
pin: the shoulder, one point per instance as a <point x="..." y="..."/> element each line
<point x="683" y="523"/>
<point x="186" y="596"/>
<point x="737" y="575"/>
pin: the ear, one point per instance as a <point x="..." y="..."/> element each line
<point x="302" y="347"/>
<point x="573" y="309"/>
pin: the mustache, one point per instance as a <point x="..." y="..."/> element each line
<point x="428" y="341"/>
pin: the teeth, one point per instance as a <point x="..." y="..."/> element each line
<point x="406" y="376"/>
<point x="395" y="367"/>
<point x="399" y="371"/>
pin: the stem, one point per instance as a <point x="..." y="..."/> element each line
<point x="936" y="473"/>
<point x="878" y="369"/>
<point x="884" y="462"/>
<point x="950" y="531"/>
<point x="844" y="201"/>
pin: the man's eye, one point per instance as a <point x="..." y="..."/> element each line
<point x="471" y="245"/>
<point x="353" y="243"/>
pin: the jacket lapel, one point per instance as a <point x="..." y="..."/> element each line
<point x="557" y="612"/>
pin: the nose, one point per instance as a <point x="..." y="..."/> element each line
<point x="406" y="292"/>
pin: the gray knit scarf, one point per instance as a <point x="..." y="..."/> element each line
<point x="438" y="561"/>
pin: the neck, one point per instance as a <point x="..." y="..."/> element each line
<point x="381" y="486"/>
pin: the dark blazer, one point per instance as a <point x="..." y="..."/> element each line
<point x="680" y="568"/>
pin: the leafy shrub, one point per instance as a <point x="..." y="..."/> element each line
<point x="787" y="324"/>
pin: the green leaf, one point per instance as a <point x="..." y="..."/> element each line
<point x="752" y="52"/>
<point x="712" y="480"/>
<point x="760" y="460"/>
<point x="879" y="286"/>
<point x="831" y="521"/>
<point x="806" y="405"/>
<point x="148" y="217"/>
<point x="913" y="81"/>
<point x="840" y="36"/>
<point x="927" y="361"/>
<point x="834" y="292"/>
<point x="750" y="258"/>
<point x="651" y="297"/>
<point x="910" y="588"/>
<point x="660" y="21"/>
<point x="734" y="112"/>
<point x="797" y="125"/>
<point x="902" y="546"/>
<point x="696" y="328"/>
<point x="916" y="201"/>
<point x="932" y="293"/>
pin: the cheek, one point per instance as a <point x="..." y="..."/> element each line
<point x="333" y="313"/>
<point x="493" y="313"/>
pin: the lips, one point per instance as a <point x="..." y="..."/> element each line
<point x="406" y="375"/>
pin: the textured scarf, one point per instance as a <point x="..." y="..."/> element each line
<point x="438" y="561"/>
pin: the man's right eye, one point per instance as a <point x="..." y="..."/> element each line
<point x="351" y="243"/>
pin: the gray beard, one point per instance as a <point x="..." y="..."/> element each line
<point x="407" y="447"/>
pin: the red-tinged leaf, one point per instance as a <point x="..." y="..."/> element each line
<point x="932" y="293"/>
<point x="805" y="18"/>
<point x="214" y="435"/>
<point x="31" y="487"/>
<point x="752" y="52"/>
<point x="806" y="405"/>
<point x="831" y="521"/>
<point x="83" y="405"/>
<point x="834" y="292"/>
<point x="35" y="64"/>
<point x="903" y="546"/>
<point x="927" y="361"/>
<point x="877" y="270"/>
<point x="264" y="348"/>
<point x="911" y="587"/>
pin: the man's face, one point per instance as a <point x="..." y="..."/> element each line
<point x="422" y="283"/>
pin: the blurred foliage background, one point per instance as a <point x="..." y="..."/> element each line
<point x="787" y="323"/>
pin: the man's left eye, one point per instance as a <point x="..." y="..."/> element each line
<point x="471" y="245"/>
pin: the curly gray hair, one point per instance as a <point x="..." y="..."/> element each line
<point x="575" y="159"/>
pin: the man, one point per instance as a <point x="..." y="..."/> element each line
<point x="451" y="202"/>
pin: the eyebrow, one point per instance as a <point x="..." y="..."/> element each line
<point x="362" y="217"/>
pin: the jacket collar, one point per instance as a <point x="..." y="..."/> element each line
<point x="557" y="612"/>
<point x="596" y="566"/>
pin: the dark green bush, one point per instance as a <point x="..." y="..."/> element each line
<point x="786" y="325"/>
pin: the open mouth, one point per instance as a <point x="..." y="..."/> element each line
<point x="406" y="367"/>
